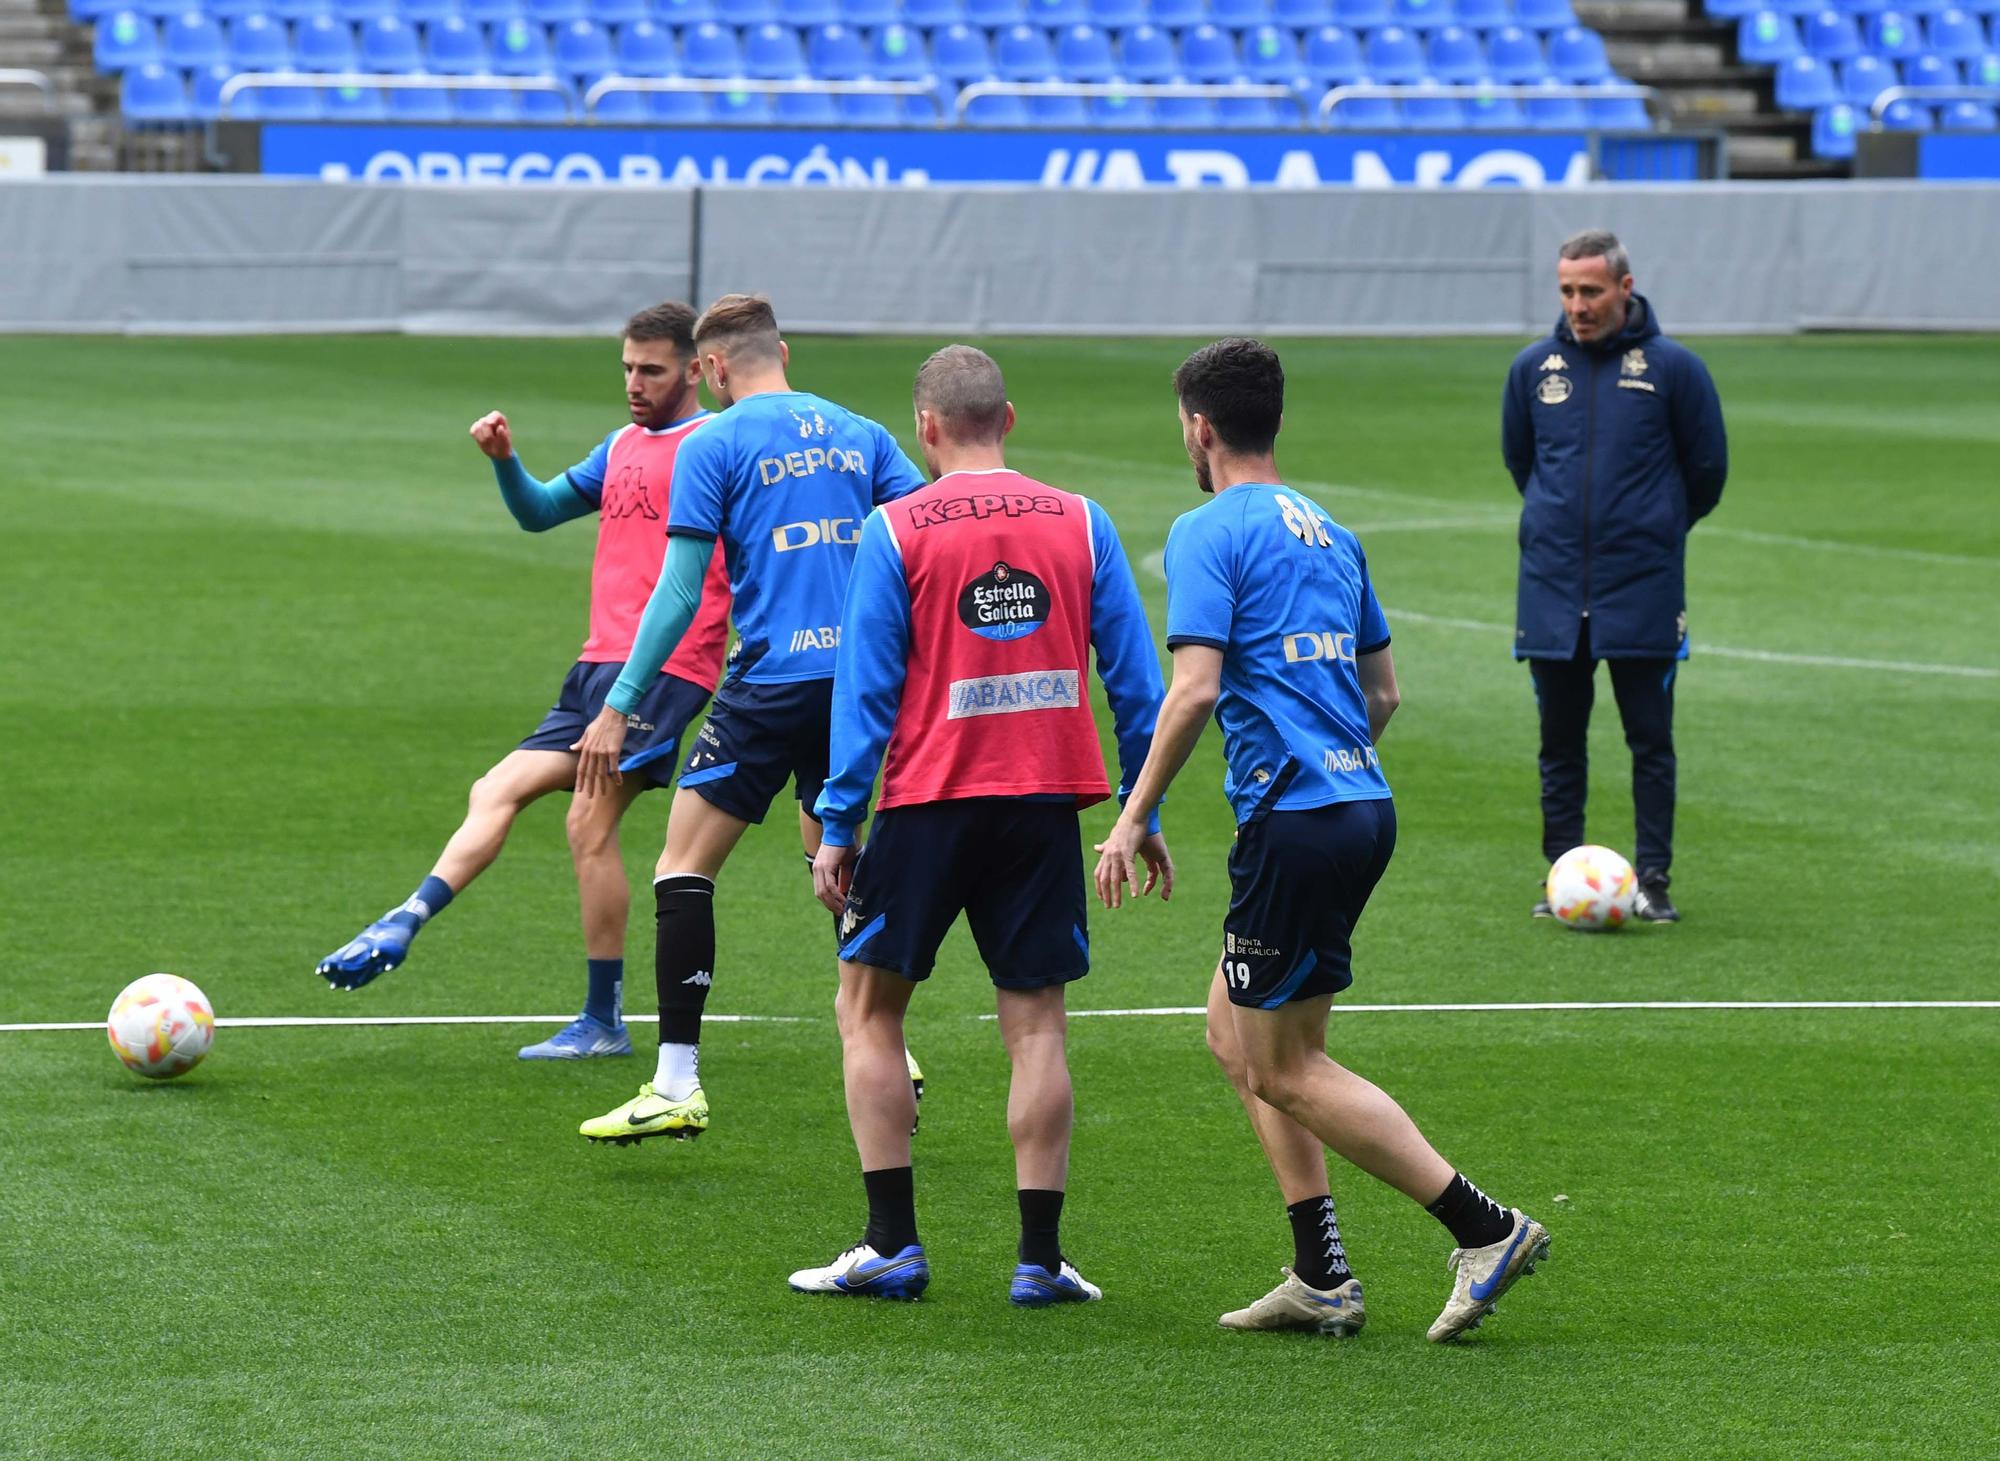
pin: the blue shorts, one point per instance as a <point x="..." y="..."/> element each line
<point x="1014" y="868"/>
<point x="758" y="737"/>
<point x="1297" y="884"/>
<point x="652" y="737"/>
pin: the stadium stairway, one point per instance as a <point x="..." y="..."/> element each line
<point x="39" y="36"/>
<point x="1691" y="58"/>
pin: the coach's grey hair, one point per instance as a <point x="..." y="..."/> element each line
<point x="1595" y="243"/>
<point x="963" y="388"/>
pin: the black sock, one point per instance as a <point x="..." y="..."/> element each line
<point x="684" y="954"/>
<point x="1041" y="1222"/>
<point x="1317" y="1256"/>
<point x="892" y="1209"/>
<point x="1475" y="1220"/>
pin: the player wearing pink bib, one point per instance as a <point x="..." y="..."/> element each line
<point x="972" y="611"/>
<point x="625" y="480"/>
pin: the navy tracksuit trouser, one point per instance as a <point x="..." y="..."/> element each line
<point x="1565" y="690"/>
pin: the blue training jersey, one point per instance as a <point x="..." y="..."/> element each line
<point x="1264" y="575"/>
<point x="785" y="480"/>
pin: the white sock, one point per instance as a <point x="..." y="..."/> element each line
<point x="679" y="1071"/>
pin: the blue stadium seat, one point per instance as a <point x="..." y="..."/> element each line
<point x="1931" y="71"/>
<point x="1832" y="35"/>
<point x="1360" y="14"/>
<point x="549" y="13"/>
<point x="931" y="15"/>
<point x="1955" y="34"/>
<point x="85" y="11"/>
<point x="1554" y="113"/>
<point x="645" y="49"/>
<point x="897" y="54"/>
<point x="546" y="106"/>
<point x="326" y="44"/>
<point x="293" y="11"/>
<point x="455" y="47"/>
<point x="1456" y="55"/>
<point x="837" y="53"/>
<point x="1424" y="15"/>
<point x="1577" y="55"/>
<point x="277" y="104"/>
<point x="1618" y="114"/>
<point x="420" y="104"/>
<point x="1302" y="15"/>
<point x="259" y="43"/>
<point x="430" y="12"/>
<point x="772" y="53"/>
<point x="1434" y="113"/>
<point x="1806" y="83"/>
<point x="1967" y="116"/>
<point x="1516" y="55"/>
<point x="605" y="12"/>
<point x="679" y="107"/>
<point x="1372" y="114"/>
<point x="1544" y="14"/>
<point x="492" y="13"/>
<point x="710" y="52"/>
<point x="681" y="15"/>
<point x="583" y="48"/>
<point x="1333" y="56"/>
<point x="1395" y="56"/>
<point x="1023" y="54"/>
<point x="867" y="14"/>
<point x="1865" y="78"/>
<point x="1833" y="131"/>
<point x="959" y="53"/>
<point x="994" y="15"/>
<point x="1984" y="70"/>
<point x="207" y="85"/>
<point x="996" y="111"/>
<point x="1178" y="15"/>
<point x="1057" y="111"/>
<point x="1207" y="54"/>
<point x="354" y="12"/>
<point x="805" y="109"/>
<point x="617" y="107"/>
<point x="1083" y="53"/>
<point x="353" y="104"/>
<point x="1486" y="112"/>
<point x="485" y="104"/>
<point x="870" y="109"/>
<point x="1894" y="35"/>
<point x="389" y="45"/>
<point x="127" y="39"/>
<point x="1123" y="111"/>
<point x="1906" y="116"/>
<point x="805" y="14"/>
<point x="1184" y="112"/>
<point x="216" y="9"/>
<point x="1247" y="112"/>
<point x="1054" y="15"/>
<point x="521" y="48"/>
<point x="1146" y="53"/>
<point x="1270" y="53"/>
<point x="1238" y="15"/>
<point x="1484" y="14"/>
<point x="192" y="41"/>
<point x="1765" y="37"/>
<point x="150" y="92"/>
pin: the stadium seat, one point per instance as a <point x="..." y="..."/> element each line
<point x="1146" y="53"/>
<point x="583" y="48"/>
<point x="549" y="13"/>
<point x="959" y="54"/>
<point x="128" y="38"/>
<point x="1455" y="55"/>
<point x="1055" y="14"/>
<point x="1544" y="14"/>
<point x="485" y="104"/>
<point x="1515" y="55"/>
<point x="618" y="107"/>
<point x="1433" y="113"/>
<point x="1023" y="54"/>
<point x="1577" y="55"/>
<point x="1806" y="84"/>
<point x="1333" y="56"/>
<point x="1118" y="14"/>
<point x="1057" y="111"/>
<point x="277" y="104"/>
<point x="1360" y="14"/>
<point x="1554" y="113"/>
<point x="1178" y="15"/>
<point x="1483" y="15"/>
<point x="420" y="104"/>
<point x="1931" y="71"/>
<point x="933" y="15"/>
<point x="258" y="43"/>
<point x="293" y="11"/>
<point x="1423" y="15"/>
<point x="1865" y="78"/>
<point x="1370" y="114"/>
<point x="1183" y="112"/>
<point x="679" y="107"/>
<point x="492" y="13"/>
<point x="455" y="47"/>
<point x="870" y="109"/>
<point x="1242" y="113"/>
<point x="521" y="48"/>
<point x="216" y="10"/>
<point x="1895" y="36"/>
<point x="772" y="53"/>
<point x="1832" y="35"/>
<point x="996" y="111"/>
<point x="805" y="14"/>
<point x="644" y="49"/>
<point x="354" y="12"/>
<point x="1394" y="55"/>
<point x="1906" y="116"/>
<point x="1487" y="112"/>
<point x="353" y="104"/>
<point x="1618" y="114"/>
<point x="997" y="15"/>
<point x="836" y="52"/>
<point x="683" y="15"/>
<point x="207" y="85"/>
<point x="1208" y="53"/>
<point x="1984" y="70"/>
<point x="389" y="45"/>
<point x="1833" y="131"/>
<point x="604" y="12"/>
<point x="709" y="51"/>
<point x="326" y="44"/>
<point x="192" y="41"/>
<point x="896" y="54"/>
<point x="1271" y="54"/>
<point x="1123" y="111"/>
<point x="867" y="14"/>
<point x="1765" y="38"/>
<point x="1955" y="34"/>
<point x="1083" y="53"/>
<point x="1239" y="15"/>
<point x="546" y="106"/>
<point x="150" y="92"/>
<point x="804" y="109"/>
<point x="1967" y="116"/>
<point x="1302" y="15"/>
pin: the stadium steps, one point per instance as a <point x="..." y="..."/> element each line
<point x="88" y="99"/>
<point x="1691" y="59"/>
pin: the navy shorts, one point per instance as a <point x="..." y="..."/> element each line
<point x="1014" y="868"/>
<point x="1297" y="884"/>
<point x="758" y="737"/>
<point x="652" y="737"/>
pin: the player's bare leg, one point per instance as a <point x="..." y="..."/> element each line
<point x="1297" y="1157"/>
<point x="604" y="896"/>
<point x="1040" y="1115"/>
<point x="869" y="1009"/>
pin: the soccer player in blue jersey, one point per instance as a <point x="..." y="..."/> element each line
<point x="783" y="479"/>
<point x="1274" y="627"/>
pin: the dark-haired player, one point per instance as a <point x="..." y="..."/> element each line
<point x="1274" y="627"/>
<point x="625" y="481"/>
<point x="782" y="479"/>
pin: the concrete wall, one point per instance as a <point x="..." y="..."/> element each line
<point x="226" y="254"/>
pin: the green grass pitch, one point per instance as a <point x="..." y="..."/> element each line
<point x="264" y="620"/>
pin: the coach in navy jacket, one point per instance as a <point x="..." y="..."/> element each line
<point x="1614" y="435"/>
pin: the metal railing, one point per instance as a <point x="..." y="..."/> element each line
<point x="668" y="85"/>
<point x="235" y="86"/>
<point x="17" y="77"/>
<point x="1131" y="90"/>
<point x="1472" y="90"/>
<point x="1891" y="95"/>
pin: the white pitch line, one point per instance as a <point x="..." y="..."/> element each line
<point x="281" y="1022"/>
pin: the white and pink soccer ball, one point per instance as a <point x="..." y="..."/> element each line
<point x="161" y="1026"/>
<point x="1592" y="888"/>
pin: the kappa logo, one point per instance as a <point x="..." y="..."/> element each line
<point x="1553" y="390"/>
<point x="628" y="497"/>
<point x="701" y="977"/>
<point x="983" y="505"/>
<point x="1634" y="362"/>
<point x="815" y="427"/>
<point x="1554" y="362"/>
<point x="849" y="921"/>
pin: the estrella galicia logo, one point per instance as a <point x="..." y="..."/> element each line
<point x="1005" y="603"/>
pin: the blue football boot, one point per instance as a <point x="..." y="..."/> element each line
<point x="581" y="1039"/>
<point x="373" y="952"/>
<point x="1034" y="1287"/>
<point x="864" y="1272"/>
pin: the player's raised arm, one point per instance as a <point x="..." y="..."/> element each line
<point x="538" y="506"/>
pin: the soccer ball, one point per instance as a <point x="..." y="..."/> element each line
<point x="161" y="1026"/>
<point x="1591" y="888"/>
